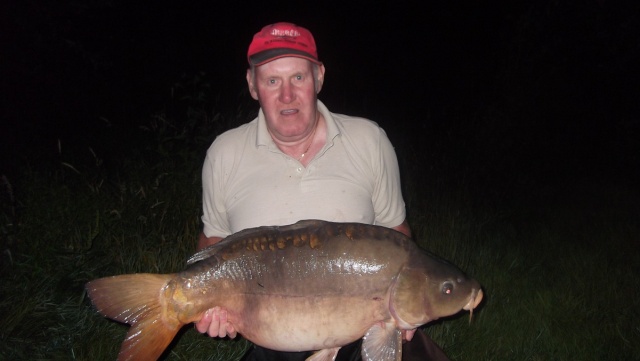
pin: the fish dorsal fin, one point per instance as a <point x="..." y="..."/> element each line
<point x="206" y="252"/>
<point x="382" y="343"/>
<point x="327" y="354"/>
<point x="216" y="247"/>
<point x="248" y="233"/>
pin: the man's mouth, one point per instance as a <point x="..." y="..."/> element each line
<point x="289" y="111"/>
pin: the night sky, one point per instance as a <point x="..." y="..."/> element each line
<point x="546" y="74"/>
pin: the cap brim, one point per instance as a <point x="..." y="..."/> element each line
<point x="273" y="54"/>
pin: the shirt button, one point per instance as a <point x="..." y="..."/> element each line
<point x="299" y="170"/>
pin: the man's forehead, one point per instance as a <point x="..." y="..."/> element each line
<point x="285" y="65"/>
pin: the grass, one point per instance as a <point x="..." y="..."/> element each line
<point x="558" y="262"/>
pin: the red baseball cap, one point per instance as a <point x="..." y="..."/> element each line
<point x="280" y="40"/>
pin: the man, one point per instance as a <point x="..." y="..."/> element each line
<point x="295" y="161"/>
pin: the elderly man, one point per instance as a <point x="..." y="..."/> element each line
<point x="295" y="161"/>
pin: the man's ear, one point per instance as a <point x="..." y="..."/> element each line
<point x="320" y="78"/>
<point x="252" y="84"/>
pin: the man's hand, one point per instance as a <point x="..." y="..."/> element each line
<point x="215" y="324"/>
<point x="407" y="335"/>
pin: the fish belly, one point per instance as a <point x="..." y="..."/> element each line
<point x="309" y="323"/>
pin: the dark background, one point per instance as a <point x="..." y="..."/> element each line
<point x="548" y="82"/>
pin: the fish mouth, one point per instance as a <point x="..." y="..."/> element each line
<point x="474" y="300"/>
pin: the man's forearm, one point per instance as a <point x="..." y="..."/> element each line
<point x="204" y="241"/>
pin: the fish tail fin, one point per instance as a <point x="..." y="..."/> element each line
<point x="136" y="299"/>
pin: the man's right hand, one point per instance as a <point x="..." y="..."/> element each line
<point x="215" y="324"/>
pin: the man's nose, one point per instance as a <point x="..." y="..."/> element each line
<point x="286" y="93"/>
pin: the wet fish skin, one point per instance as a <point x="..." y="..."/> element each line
<point x="312" y="285"/>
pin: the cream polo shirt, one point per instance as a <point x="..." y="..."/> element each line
<point x="248" y="182"/>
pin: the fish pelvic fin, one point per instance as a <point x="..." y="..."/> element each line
<point x="136" y="299"/>
<point x="382" y="342"/>
<point x="327" y="354"/>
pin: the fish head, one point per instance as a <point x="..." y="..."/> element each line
<point x="431" y="289"/>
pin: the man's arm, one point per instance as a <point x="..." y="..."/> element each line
<point x="403" y="228"/>
<point x="204" y="241"/>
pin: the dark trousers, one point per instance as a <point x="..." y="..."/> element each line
<point x="420" y="348"/>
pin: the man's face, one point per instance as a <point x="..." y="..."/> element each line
<point x="287" y="91"/>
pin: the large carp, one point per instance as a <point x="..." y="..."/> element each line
<point x="312" y="285"/>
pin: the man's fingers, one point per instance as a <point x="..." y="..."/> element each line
<point x="221" y="323"/>
<point x="226" y="329"/>
<point x="407" y="335"/>
<point x="214" y="327"/>
<point x="215" y="323"/>
<point x="231" y="331"/>
<point x="203" y="325"/>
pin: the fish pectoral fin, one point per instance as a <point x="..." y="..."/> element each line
<point x="327" y="354"/>
<point x="382" y="343"/>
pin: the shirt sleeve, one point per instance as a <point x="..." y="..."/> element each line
<point x="214" y="213"/>
<point x="388" y="204"/>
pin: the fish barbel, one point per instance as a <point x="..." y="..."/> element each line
<point x="309" y="286"/>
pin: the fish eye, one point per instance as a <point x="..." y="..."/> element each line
<point x="447" y="288"/>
